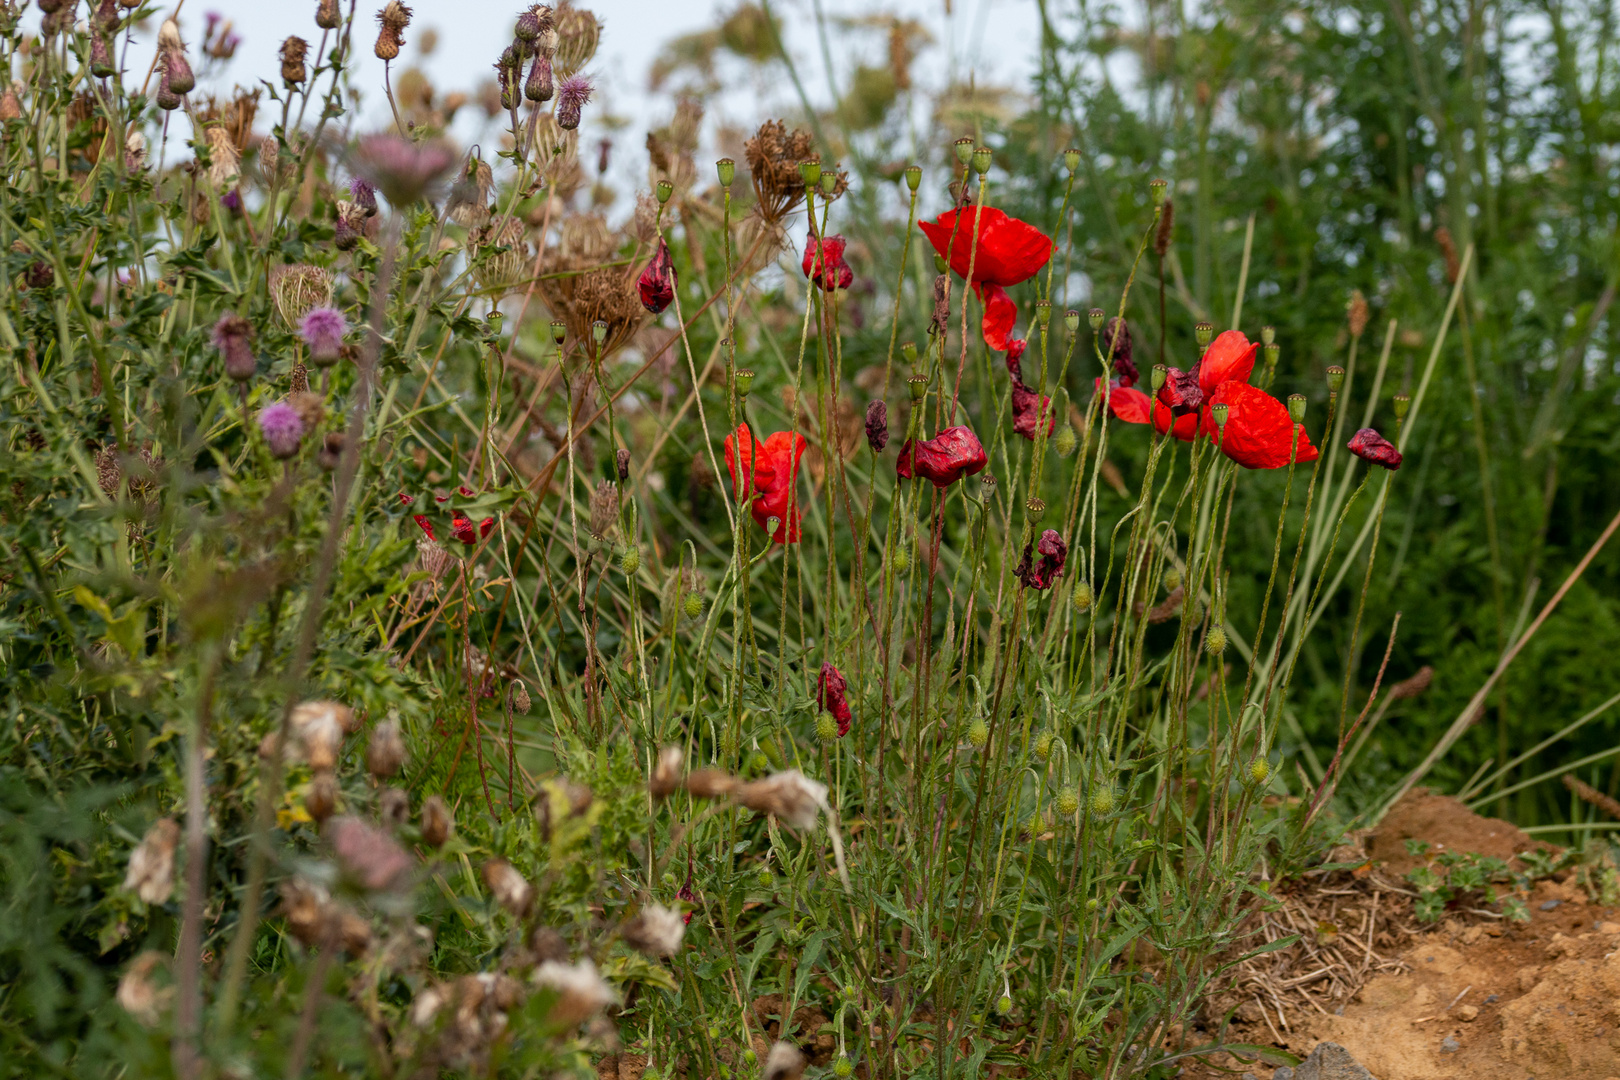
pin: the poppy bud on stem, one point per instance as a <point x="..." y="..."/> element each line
<point x="913" y="177"/>
<point x="964" y="150"/>
<point x="1156" y="190"/>
<point x="1204" y="333"/>
<point x="726" y="169"/>
<point x="1071" y="320"/>
<point x="1335" y="379"/>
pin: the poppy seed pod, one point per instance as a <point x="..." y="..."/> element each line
<point x="918" y="386"/>
<point x="908" y="350"/>
<point x="1156" y="190"/>
<point x="1268" y="334"/>
<point x="1273" y="353"/>
<point x="1096" y="317"/>
<point x="913" y="177"/>
<point x="743" y="380"/>
<point x="964" y="150"/>
<point x="981" y="160"/>
<point x="1204" y="333"/>
<point x="726" y="170"/>
<point x="1296" y="408"/>
<point x="1071" y="159"/>
<point x="1335" y="378"/>
<point x="810" y="172"/>
<point x="1402" y="403"/>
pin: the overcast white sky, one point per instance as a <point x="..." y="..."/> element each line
<point x="993" y="39"/>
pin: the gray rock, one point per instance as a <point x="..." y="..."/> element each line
<point x="1550" y="904"/>
<point x="1330" y="1061"/>
<point x="1284" y="1073"/>
<point x="1449" y="1045"/>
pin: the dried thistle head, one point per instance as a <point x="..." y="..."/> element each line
<point x="151" y="864"/>
<point x="581" y="992"/>
<point x="789" y="796"/>
<point x="666" y="776"/>
<point x="655" y="931"/>
<point x="391" y="23"/>
<point x="509" y="888"/>
<point x="644" y="225"/>
<point x="469" y="196"/>
<point x="224" y="161"/>
<point x="500" y="256"/>
<point x="293" y="51"/>
<point x="138" y="991"/>
<point x="578" y="34"/>
<point x="298" y="289"/>
<point x="604" y="509"/>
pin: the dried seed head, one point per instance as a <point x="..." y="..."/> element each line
<point x="510" y="889"/>
<point x="293" y="51"/>
<point x="877" y="425"/>
<point x="604" y="508"/>
<point x="371" y="858"/>
<point x="437" y="824"/>
<point x="789" y="796"/>
<point x="328" y="16"/>
<point x="393" y="807"/>
<point x="151" y="864"/>
<point x="785" y="1062"/>
<point x="666" y="776"/>
<point x="391" y="21"/>
<point x="580" y="991"/>
<point x="320" y="797"/>
<point x="299" y="290"/>
<point x="1357" y="313"/>
<point x="520" y="696"/>
<point x="385" y="752"/>
<point x="574" y="39"/>
<point x="468" y="203"/>
<point x="138" y="993"/>
<point x="655" y="931"/>
<point x="319" y="727"/>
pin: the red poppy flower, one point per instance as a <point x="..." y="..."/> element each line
<point x="1259" y="432"/>
<point x="1052" y="551"/>
<point x="1370" y="446"/>
<point x="952" y="454"/>
<point x="1134" y="407"/>
<point x="657" y="281"/>
<point x="766" y="484"/>
<point x="1008" y="250"/>
<point x="464" y="531"/>
<point x="826" y="258"/>
<point x="831" y="687"/>
<point x="1000" y="316"/>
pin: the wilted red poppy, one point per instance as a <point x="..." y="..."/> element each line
<point x="1028" y="407"/>
<point x="767" y="470"/>
<point x="1039" y="574"/>
<point x="952" y="454"/>
<point x="825" y="257"/>
<point x="831" y="688"/>
<point x="1368" y="445"/>
<point x="657" y="281"/>
<point x="464" y="531"/>
<point x="1116" y="341"/>
<point x="1259" y="432"/>
<point x="1008" y="250"/>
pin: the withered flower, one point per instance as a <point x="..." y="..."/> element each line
<point x="437" y="823"/>
<point x="319" y="727"/>
<point x="385" y="753"/>
<point x="655" y="931"/>
<point x="788" y="795"/>
<point x="785" y="1062"/>
<point x="320" y="797"/>
<point x="391" y="23"/>
<point x="151" y="865"/>
<point x="371" y="857"/>
<point x="293" y="51"/>
<point x="510" y="889"/>
<point x="666" y="777"/>
<point x="581" y="992"/>
<point x="710" y="783"/>
<point x="138" y="994"/>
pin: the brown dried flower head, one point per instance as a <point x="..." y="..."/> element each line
<point x="666" y="776"/>
<point x="437" y="823"/>
<point x="581" y="992"/>
<point x="789" y="795"/>
<point x="577" y="35"/>
<point x="710" y="783"/>
<point x="385" y="752"/>
<point x="391" y="23"/>
<point x="510" y="889"/>
<point x="138" y="993"/>
<point x="318" y="727"/>
<point x="1414" y="685"/>
<point x="655" y="931"/>
<point x="773" y="155"/>
<point x="299" y="288"/>
<point x="604" y="508"/>
<point x="293" y="51"/>
<point x="785" y="1062"/>
<point x="372" y="858"/>
<point x="151" y="864"/>
<point x="320" y="797"/>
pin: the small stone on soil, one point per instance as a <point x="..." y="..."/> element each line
<point x="1550" y="904"/>
<point x="1450" y="1045"/>
<point x="1329" y="1061"/>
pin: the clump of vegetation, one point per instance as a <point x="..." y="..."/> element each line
<point x="450" y="631"/>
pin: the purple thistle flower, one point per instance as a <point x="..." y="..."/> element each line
<point x="323" y="330"/>
<point x="573" y="93"/>
<point x="232" y="201"/>
<point x="233" y="337"/>
<point x="365" y="195"/>
<point x="282" y="429"/>
<point x="402" y="170"/>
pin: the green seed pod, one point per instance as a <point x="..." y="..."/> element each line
<point x="1067" y="803"/>
<point x="1268" y="334"/>
<point x="1273" y="353"/>
<point x="1091" y="905"/>
<point x="826" y="727"/>
<point x="908" y="349"/>
<point x="1219" y="411"/>
<point x="750" y="1058"/>
<point x="1156" y="380"/>
<point x="829" y="183"/>
<point x="1204" y="333"/>
<point x="727" y="169"/>
<point x="1071" y="160"/>
<point x="765" y="878"/>
<point x="940" y="265"/>
<point x="978" y="734"/>
<point x="918" y="385"/>
<point x="599" y="330"/>
<point x="981" y="160"/>
<point x="1081" y="597"/>
<point x="1003" y="1005"/>
<point x="1034" y="510"/>
<point x="913" y="177"/>
<point x="665" y="189"/>
<point x="559" y="331"/>
<point x="1296" y="408"/>
<point x="1043" y="311"/>
<point x="1335" y="378"/>
<point x="630" y="561"/>
<point x="1071" y="320"/>
<point x="1172" y="579"/>
<point x="900" y="560"/>
<point x="810" y="172"/>
<point x="1065" y="440"/>
<point x="693" y="605"/>
<point x="1102" y="801"/>
<point x="964" y="150"/>
<point x="1215" y="641"/>
<point x="1259" y="770"/>
<point x="1402" y="404"/>
<point x="1096" y="317"/>
<point x="1156" y="190"/>
<point x="1043" y="745"/>
<point x="743" y="380"/>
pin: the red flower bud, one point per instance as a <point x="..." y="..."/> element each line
<point x="831" y="687"/>
<point x="657" y="281"/>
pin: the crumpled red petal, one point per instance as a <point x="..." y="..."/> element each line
<point x="1000" y="316"/>
<point x="952" y="454"/>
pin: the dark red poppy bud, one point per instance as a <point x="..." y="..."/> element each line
<point x="1181" y="391"/>
<point x="1041" y="573"/>
<point x="952" y="454"/>
<point x="824" y="263"/>
<point x="1372" y="447"/>
<point x="657" y="281"/>
<point x="831" y="688"/>
<point x="877" y="426"/>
